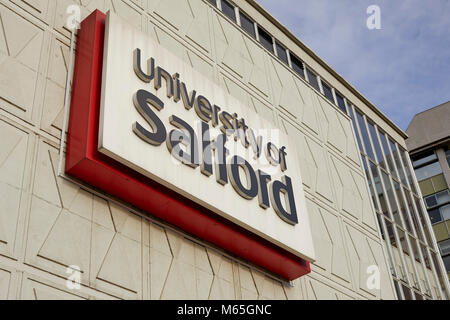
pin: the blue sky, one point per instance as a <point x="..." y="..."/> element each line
<point x="403" y="69"/>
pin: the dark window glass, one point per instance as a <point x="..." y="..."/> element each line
<point x="444" y="246"/>
<point x="376" y="145"/>
<point x="423" y="159"/>
<point x="297" y="65"/>
<point x="247" y="24"/>
<point x="265" y="39"/>
<point x="447" y="153"/>
<point x="327" y="92"/>
<point x="435" y="216"/>
<point x="390" y="232"/>
<point x="380" y="224"/>
<point x="405" y="158"/>
<point x="446" y="260"/>
<point x="281" y="53"/>
<point x="431" y="201"/>
<point x="387" y="152"/>
<point x="312" y="78"/>
<point x="228" y="9"/>
<point x="407" y="293"/>
<point x="340" y="102"/>
<point x="350" y="110"/>
<point x="397" y="161"/>
<point x="365" y="136"/>
<point x="213" y="2"/>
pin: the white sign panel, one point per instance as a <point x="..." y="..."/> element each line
<point x="162" y="118"/>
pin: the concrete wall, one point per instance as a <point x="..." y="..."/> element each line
<point x="48" y="223"/>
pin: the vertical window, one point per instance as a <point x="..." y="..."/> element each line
<point x="228" y="10"/>
<point x="376" y="144"/>
<point x="265" y="39"/>
<point x="213" y="2"/>
<point x="247" y="24"/>
<point x="340" y="102"/>
<point x="387" y="153"/>
<point x="327" y="92"/>
<point x="424" y="158"/>
<point x="405" y="159"/>
<point x="297" y="65"/>
<point x="435" y="216"/>
<point x="447" y="154"/>
<point x="312" y="78"/>
<point x="281" y="52"/>
<point x="397" y="161"/>
<point x="365" y="136"/>
<point x="350" y="109"/>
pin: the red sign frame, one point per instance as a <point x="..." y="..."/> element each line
<point x="86" y="163"/>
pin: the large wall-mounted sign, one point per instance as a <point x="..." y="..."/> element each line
<point x="149" y="129"/>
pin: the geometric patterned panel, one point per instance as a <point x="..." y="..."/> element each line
<point x="313" y="163"/>
<point x="351" y="192"/>
<point x="69" y="226"/>
<point x="13" y="151"/>
<point x="52" y="114"/>
<point x="240" y="55"/>
<point x="365" y="252"/>
<point x="190" y="19"/>
<point x="5" y="282"/>
<point x="329" y="245"/>
<point x="19" y="62"/>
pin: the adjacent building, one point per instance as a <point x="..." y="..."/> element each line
<point x="429" y="147"/>
<point x="65" y="238"/>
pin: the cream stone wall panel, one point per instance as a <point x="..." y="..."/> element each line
<point x="333" y="134"/>
<point x="5" y="283"/>
<point x="386" y="287"/>
<point x="222" y="287"/>
<point x="202" y="65"/>
<point x="53" y="107"/>
<point x="309" y="115"/>
<point x="39" y="289"/>
<point x="236" y="90"/>
<point x="316" y="290"/>
<point x="160" y="260"/>
<point x="13" y="158"/>
<point x="188" y="17"/>
<point x="238" y="54"/>
<point x="190" y="275"/>
<point x="125" y="9"/>
<point x="63" y="218"/>
<point x="41" y="9"/>
<point x="20" y="63"/>
<point x="285" y="92"/>
<point x="332" y="256"/>
<point x="295" y="290"/>
<point x="268" y="288"/>
<point x="248" y="288"/>
<point x="313" y="163"/>
<point x="365" y="252"/>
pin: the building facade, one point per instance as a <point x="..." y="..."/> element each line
<point x="429" y="148"/>
<point x="370" y="228"/>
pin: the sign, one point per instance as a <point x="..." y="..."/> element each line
<point x="149" y="129"/>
